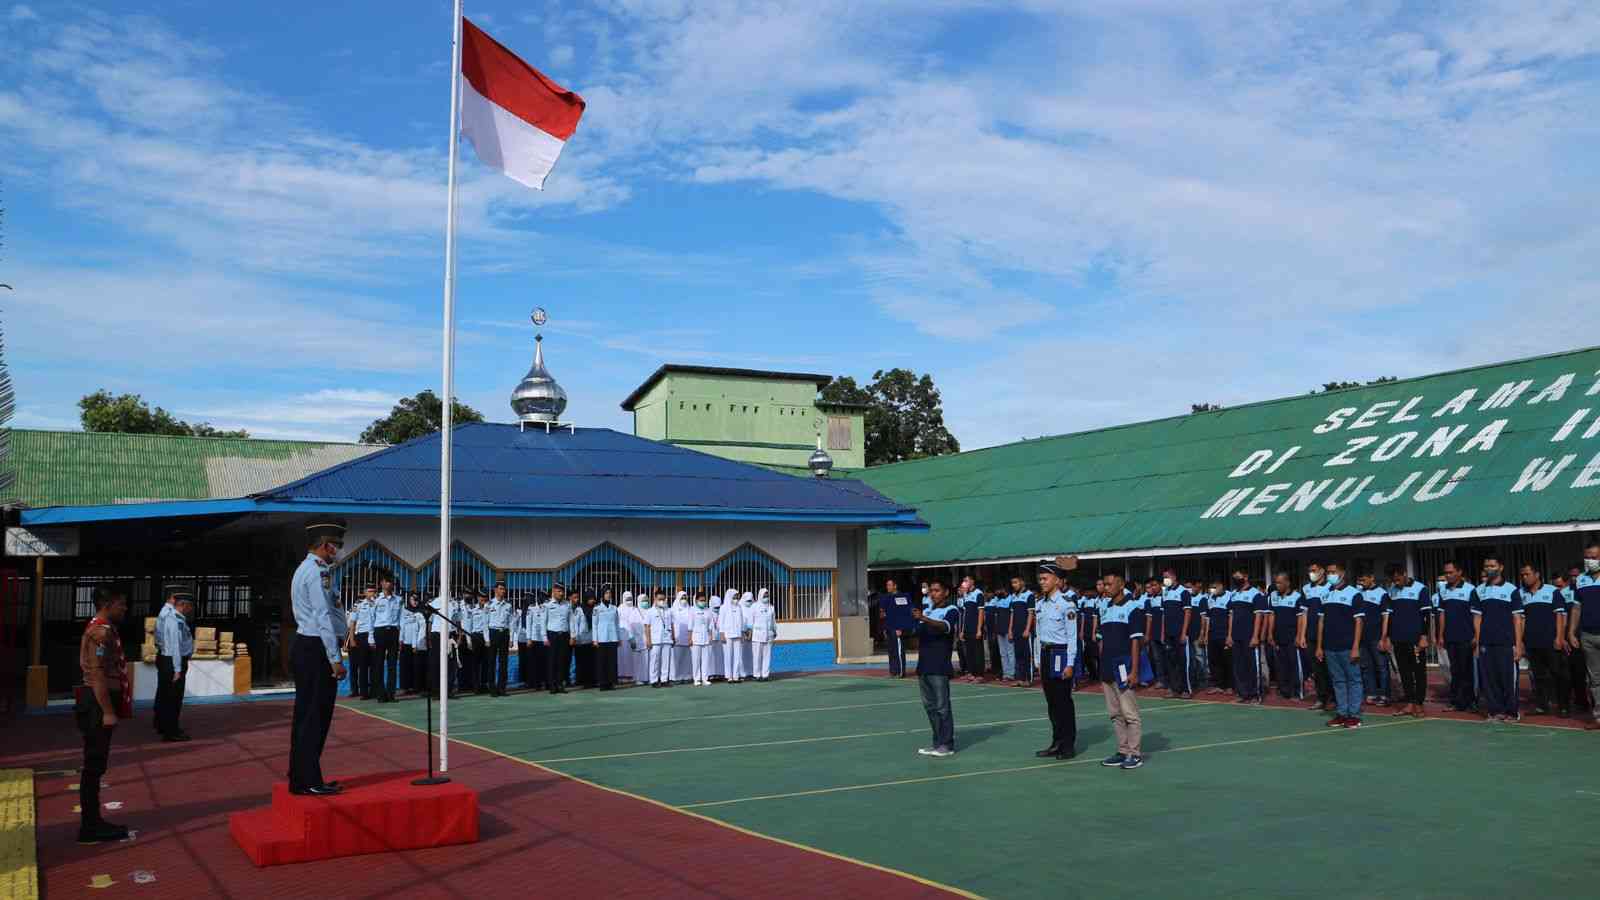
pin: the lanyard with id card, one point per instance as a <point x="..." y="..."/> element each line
<point x="1057" y="660"/>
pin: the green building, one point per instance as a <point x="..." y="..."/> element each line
<point x="749" y="415"/>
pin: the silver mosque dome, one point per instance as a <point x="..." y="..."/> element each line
<point x="539" y="398"/>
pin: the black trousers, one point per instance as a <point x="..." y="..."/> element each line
<point x="606" y="664"/>
<point x="1413" y="671"/>
<point x="1022" y="650"/>
<point x="1091" y="658"/>
<point x="483" y="656"/>
<point x="583" y="654"/>
<point x="1578" y="679"/>
<point x="897" y="652"/>
<point x="1221" y="664"/>
<point x="994" y="656"/>
<point x="1549" y="677"/>
<point x="96" y="751"/>
<point x="1246" y="680"/>
<point x="1463" y="671"/>
<point x="1178" y="672"/>
<point x="1058" y="702"/>
<point x="408" y="668"/>
<point x="434" y="644"/>
<point x="1319" y="673"/>
<point x="314" y="694"/>
<point x="360" y="671"/>
<point x="169" y="694"/>
<point x="974" y="655"/>
<point x="500" y="648"/>
<point x="1289" y="676"/>
<point x="466" y="663"/>
<point x="534" y="676"/>
<point x="386" y="660"/>
<point x="558" y="657"/>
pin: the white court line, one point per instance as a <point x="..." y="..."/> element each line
<point x="837" y="737"/>
<point x="1054" y="765"/>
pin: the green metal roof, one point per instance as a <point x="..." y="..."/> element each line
<point x="75" y="468"/>
<point x="1469" y="449"/>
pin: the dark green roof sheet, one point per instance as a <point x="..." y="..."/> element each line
<point x="1417" y="455"/>
<point x="76" y="468"/>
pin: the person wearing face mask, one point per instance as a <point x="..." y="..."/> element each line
<point x="1497" y="623"/>
<point x="1176" y="615"/>
<point x="630" y="627"/>
<point x="658" y="641"/>
<point x="1219" y="656"/>
<point x="1284" y="615"/>
<point x="1456" y="599"/>
<point x="679" y="668"/>
<point x="730" y="623"/>
<point x="410" y="628"/>
<point x="1312" y="594"/>
<point x="315" y="659"/>
<point x="763" y="632"/>
<point x="1583" y="624"/>
<point x="1247" y="614"/>
<point x="701" y="625"/>
<point x="1544" y="635"/>
<point x="1374" y="662"/>
<point x="747" y="603"/>
<point x="1021" y="603"/>
<point x="1404" y="630"/>
<point x="1339" y="645"/>
<point x="714" y="653"/>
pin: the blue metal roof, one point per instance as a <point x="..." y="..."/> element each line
<point x="507" y="470"/>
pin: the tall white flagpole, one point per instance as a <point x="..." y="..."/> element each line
<point x="446" y="437"/>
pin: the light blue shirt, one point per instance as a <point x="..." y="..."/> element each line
<point x="364" y="614"/>
<point x="605" y="624"/>
<point x="580" y="626"/>
<point x="173" y="637"/>
<point x="557" y="616"/>
<point x="316" y="611"/>
<point x="410" y="627"/>
<point x="1057" y="621"/>
<point x="499" y="613"/>
<point x="533" y="624"/>
<point x="386" y="611"/>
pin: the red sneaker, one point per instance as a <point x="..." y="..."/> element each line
<point x="1352" y="722"/>
<point x="1336" y="722"/>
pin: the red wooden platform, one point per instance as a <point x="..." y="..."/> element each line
<point x="374" y="814"/>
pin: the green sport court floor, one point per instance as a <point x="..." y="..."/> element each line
<point x="1233" y="800"/>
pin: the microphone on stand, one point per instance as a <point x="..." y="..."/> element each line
<point x="428" y="612"/>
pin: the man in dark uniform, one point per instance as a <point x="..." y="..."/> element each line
<point x="101" y="702"/>
<point x="895" y="608"/>
<point x="315" y="658"/>
<point x="174" y="646"/>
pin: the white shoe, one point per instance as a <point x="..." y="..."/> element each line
<point x="926" y="751"/>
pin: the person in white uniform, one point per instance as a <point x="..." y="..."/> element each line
<point x="701" y="627"/>
<point x="763" y="625"/>
<point x="632" y="625"/>
<point x="714" y="654"/>
<point x="747" y="602"/>
<point x="730" y="624"/>
<point x="658" y="641"/>
<point x="682" y="618"/>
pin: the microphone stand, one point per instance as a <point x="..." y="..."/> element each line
<point x="428" y="612"/>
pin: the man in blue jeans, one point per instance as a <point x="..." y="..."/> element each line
<point x="936" y="631"/>
<point x="1339" y="645"/>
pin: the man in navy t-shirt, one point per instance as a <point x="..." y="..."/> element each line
<point x="1454" y="604"/>
<point x="1497" y="622"/>
<point x="936" y="633"/>
<point x="1583" y="623"/>
<point x="1339" y="645"/>
<point x="1544" y="639"/>
<point x="894" y="608"/>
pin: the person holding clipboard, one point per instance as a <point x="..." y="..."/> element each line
<point x="1055" y="620"/>
<point x="936" y="631"/>
<point x="1121" y="635"/>
<point x="895" y="607"/>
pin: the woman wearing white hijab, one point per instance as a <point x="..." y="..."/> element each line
<point x="747" y="605"/>
<point x="730" y="623"/>
<point x="682" y="620"/>
<point x="763" y="631"/>
<point x="714" y="653"/>
<point x="630" y="663"/>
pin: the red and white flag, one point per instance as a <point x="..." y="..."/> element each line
<point x="517" y="119"/>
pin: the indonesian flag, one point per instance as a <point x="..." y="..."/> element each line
<point x="517" y="119"/>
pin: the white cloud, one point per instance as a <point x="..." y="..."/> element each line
<point x="21" y="12"/>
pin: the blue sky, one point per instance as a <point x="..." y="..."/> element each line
<point x="1072" y="214"/>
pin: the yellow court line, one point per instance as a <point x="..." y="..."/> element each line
<point x="928" y="882"/>
<point x="837" y="737"/>
<point x="1035" y="767"/>
<point x="19" y="857"/>
<point x="744" y="715"/>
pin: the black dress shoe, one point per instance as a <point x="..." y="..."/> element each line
<point x="175" y="737"/>
<point x="1051" y="750"/>
<point x="1066" y="754"/>
<point x="101" y="833"/>
<point x="321" y="790"/>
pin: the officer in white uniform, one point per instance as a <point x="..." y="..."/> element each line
<point x="630" y="623"/>
<point x="730" y="623"/>
<point x="701" y="626"/>
<point x="658" y="641"/>
<point x="763" y="624"/>
<point x="682" y="618"/>
<point x="715" y="654"/>
<point x="747" y="602"/>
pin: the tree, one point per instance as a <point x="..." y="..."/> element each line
<point x="1204" y="407"/>
<point x="130" y="414"/>
<point x="904" y="416"/>
<point x="416" y="416"/>
<point x="1331" y="386"/>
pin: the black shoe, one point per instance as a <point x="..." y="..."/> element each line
<point x="1051" y="750"/>
<point x="175" y="737"/>
<point x="321" y="790"/>
<point x="101" y="833"/>
<point x="1066" y="754"/>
